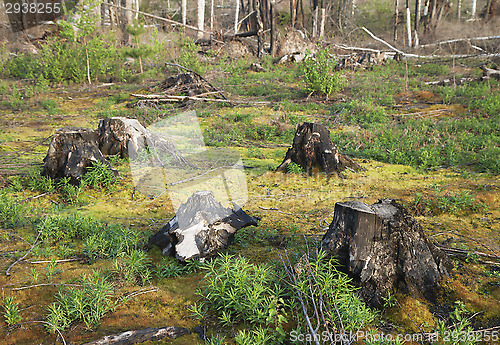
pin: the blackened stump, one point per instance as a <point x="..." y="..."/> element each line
<point x="313" y="147"/>
<point x="384" y="248"/>
<point x="200" y="228"/>
<point x="71" y="151"/>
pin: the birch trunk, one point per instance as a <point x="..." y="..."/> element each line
<point x="459" y="10"/>
<point x="184" y="11"/>
<point x="236" y="16"/>
<point x="396" y="19"/>
<point x="273" y="28"/>
<point x="408" y="23"/>
<point x="201" y="17"/>
<point x="322" y="26"/>
<point x="212" y="16"/>
<point x="474" y="9"/>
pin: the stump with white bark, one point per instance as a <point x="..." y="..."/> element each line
<point x="71" y="151"/>
<point x="384" y="248"/>
<point x="200" y="228"/>
<point x="312" y="147"/>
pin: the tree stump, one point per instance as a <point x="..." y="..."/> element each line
<point x="384" y="248"/>
<point x="200" y="228"/>
<point x="313" y="147"/>
<point x="71" y="151"/>
<point x="121" y="135"/>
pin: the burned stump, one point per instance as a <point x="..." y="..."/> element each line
<point x="71" y="151"/>
<point x="121" y="136"/>
<point x="384" y="248"/>
<point x="200" y="228"/>
<point x="313" y="147"/>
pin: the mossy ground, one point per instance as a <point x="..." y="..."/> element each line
<point x="294" y="206"/>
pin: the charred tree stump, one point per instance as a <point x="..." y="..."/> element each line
<point x="200" y="228"/>
<point x="312" y="146"/>
<point x="384" y="248"/>
<point x="121" y="136"/>
<point x="71" y="151"/>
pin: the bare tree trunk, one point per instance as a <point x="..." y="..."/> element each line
<point x="273" y="28"/>
<point x="260" y="29"/>
<point x="201" y="17"/>
<point x="396" y="19"/>
<point x="474" y="9"/>
<point x="322" y="25"/>
<point x="408" y="22"/>
<point x="293" y="12"/>
<point x="459" y="10"/>
<point x="301" y="3"/>
<point x="315" y="22"/>
<point x="236" y="16"/>
<point x="418" y="5"/>
<point x="184" y="11"/>
<point x="212" y="18"/>
<point x="426" y="7"/>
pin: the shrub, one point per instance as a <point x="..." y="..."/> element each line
<point x="316" y="278"/>
<point x="319" y="73"/>
<point x="11" y="311"/>
<point x="87" y="304"/>
<point x="42" y="184"/>
<point x="10" y="211"/>
<point x="99" y="175"/>
<point x="133" y="266"/>
<point x="236" y="290"/>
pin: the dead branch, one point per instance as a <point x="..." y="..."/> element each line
<point x="173" y="98"/>
<point x="25" y="255"/>
<point x="140" y="292"/>
<point x="46" y="284"/>
<point x="458" y="81"/>
<point x="387" y="44"/>
<point x="427" y="56"/>
<point x="277" y="210"/>
<point x="465" y="253"/>
<point x="291" y="275"/>
<point x="435" y="112"/>
<point x="33" y="198"/>
<point x="140" y="336"/>
<point x="486" y="38"/>
<point x="45" y="323"/>
<point x="47" y="261"/>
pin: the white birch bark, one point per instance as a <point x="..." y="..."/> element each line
<point x="184" y="11"/>
<point x="236" y="16"/>
<point x="201" y="17"/>
<point x="474" y="9"/>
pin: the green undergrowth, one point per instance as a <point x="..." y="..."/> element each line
<point x="423" y="143"/>
<point x="87" y="303"/>
<point x="265" y="296"/>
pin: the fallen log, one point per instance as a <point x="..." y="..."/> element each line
<point x="490" y="73"/>
<point x="140" y="336"/>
